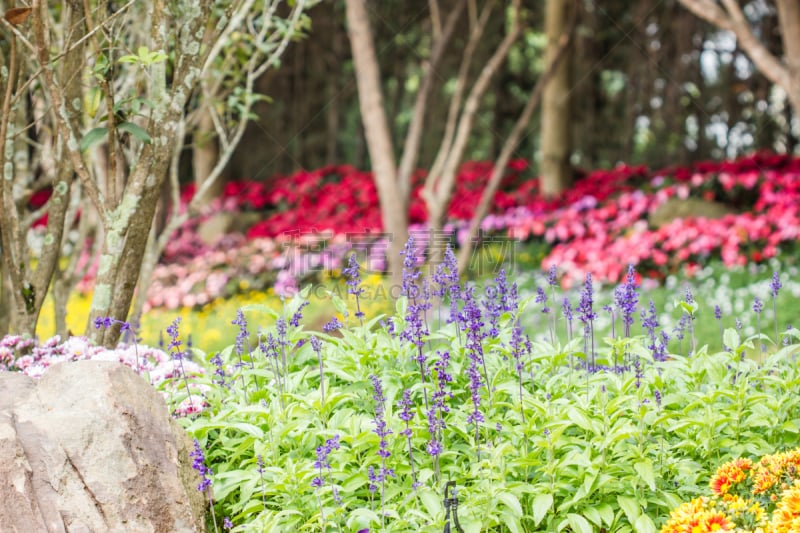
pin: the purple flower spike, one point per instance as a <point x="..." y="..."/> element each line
<point x="199" y="464"/>
<point x="776" y="284"/>
<point x="332" y="326"/>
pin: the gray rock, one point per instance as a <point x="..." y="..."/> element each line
<point x="220" y="224"/>
<point x="690" y="207"/>
<point x="91" y="447"/>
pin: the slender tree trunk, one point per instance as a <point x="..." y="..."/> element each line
<point x="5" y="301"/>
<point x="789" y="20"/>
<point x="378" y="135"/>
<point x="512" y="143"/>
<point x="728" y="15"/>
<point x="556" y="139"/>
<point x="204" y="156"/>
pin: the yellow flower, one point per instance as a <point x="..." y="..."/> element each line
<point x="786" y="517"/>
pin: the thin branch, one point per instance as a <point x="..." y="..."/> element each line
<point x="413" y="140"/>
<point x="732" y="19"/>
<point x="436" y="19"/>
<point x="512" y="142"/>
<point x="10" y="228"/>
<point x="444" y="182"/>
<point x="61" y="112"/>
<point x="455" y="101"/>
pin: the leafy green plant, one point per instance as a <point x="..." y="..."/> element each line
<point x="536" y="436"/>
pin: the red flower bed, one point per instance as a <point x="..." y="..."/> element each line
<point x="599" y="225"/>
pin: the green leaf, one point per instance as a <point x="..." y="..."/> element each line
<point x="644" y="525"/>
<point x="731" y="339"/>
<point x="511" y="501"/>
<point x="607" y="513"/>
<point x="92" y="137"/>
<point x="541" y="505"/>
<point x="579" y="524"/>
<point x="630" y="506"/>
<point x="136" y="130"/>
<point x="431" y="501"/>
<point x="645" y="471"/>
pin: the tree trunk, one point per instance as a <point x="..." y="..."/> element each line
<point x="728" y="15"/>
<point x="378" y="136"/>
<point x="789" y="20"/>
<point x="204" y="156"/>
<point x="5" y="300"/>
<point x="556" y="141"/>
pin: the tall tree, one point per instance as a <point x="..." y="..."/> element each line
<point x="556" y="126"/>
<point x="728" y="15"/>
<point x="115" y="122"/>
<point x="392" y="182"/>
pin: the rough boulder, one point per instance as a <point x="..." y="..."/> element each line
<point x="90" y="447"/>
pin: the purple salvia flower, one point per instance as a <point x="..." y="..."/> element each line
<point x="354" y="284"/>
<point x="282" y="330"/>
<point x="382" y="430"/>
<point x="474" y="346"/>
<point x="446" y="274"/>
<point x="199" y="464"/>
<point x="103" y="322"/>
<point x="333" y="325"/>
<point x="126" y="329"/>
<point x="416" y="329"/>
<point x="219" y="370"/>
<point x="717" y="312"/>
<point x="650" y="323"/>
<point x="660" y="353"/>
<point x="316" y="345"/>
<point x="541" y="298"/>
<point x="758" y="306"/>
<point x="178" y="354"/>
<point x="298" y="315"/>
<point x="517" y="352"/>
<point x="506" y="295"/>
<point x="626" y="298"/>
<point x="226" y="523"/>
<point x="776" y="284"/>
<point x="406" y="416"/>
<point x="405" y="411"/>
<point x="586" y="314"/>
<point x="434" y="448"/>
<point x="438" y="408"/>
<point x="566" y="309"/>
<point x="373" y="479"/>
<point x="242" y="336"/>
<point x="493" y="308"/>
<point x="637" y="365"/>
<point x="389" y="325"/>
<point x="680" y="327"/>
<point x="323" y="465"/>
<point x="260" y="470"/>
<point x="688" y="297"/>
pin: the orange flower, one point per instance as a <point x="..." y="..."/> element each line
<point x="729" y="474"/>
<point x="718" y="521"/>
<point x="786" y="518"/>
